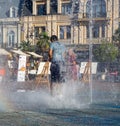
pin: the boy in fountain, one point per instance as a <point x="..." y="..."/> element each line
<point x="57" y="58"/>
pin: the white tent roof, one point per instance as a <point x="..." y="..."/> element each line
<point x="4" y="52"/>
<point x="19" y="52"/>
<point x="35" y="54"/>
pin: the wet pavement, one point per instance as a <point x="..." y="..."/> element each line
<point x="35" y="108"/>
<point x="94" y="115"/>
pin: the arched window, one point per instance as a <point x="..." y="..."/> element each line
<point x="11" y="39"/>
<point x="98" y="8"/>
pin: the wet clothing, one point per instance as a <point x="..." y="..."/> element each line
<point x="57" y="72"/>
<point x="57" y="61"/>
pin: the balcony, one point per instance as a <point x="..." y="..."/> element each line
<point x="84" y="17"/>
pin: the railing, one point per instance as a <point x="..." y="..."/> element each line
<point x="98" y="40"/>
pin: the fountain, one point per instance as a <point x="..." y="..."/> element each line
<point x="77" y="104"/>
<point x="77" y="95"/>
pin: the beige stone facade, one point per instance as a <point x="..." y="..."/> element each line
<point x="10" y="30"/>
<point x="69" y="27"/>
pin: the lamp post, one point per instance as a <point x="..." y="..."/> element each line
<point x="90" y="48"/>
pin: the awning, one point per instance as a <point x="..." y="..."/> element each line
<point x="35" y="54"/>
<point x="4" y="52"/>
<point x="19" y="52"/>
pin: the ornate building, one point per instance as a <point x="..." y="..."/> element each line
<point x="9" y="23"/>
<point x="72" y="20"/>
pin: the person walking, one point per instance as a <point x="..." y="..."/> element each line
<point x="57" y="58"/>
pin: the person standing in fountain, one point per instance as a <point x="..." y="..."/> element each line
<point x="72" y="65"/>
<point x="57" y="58"/>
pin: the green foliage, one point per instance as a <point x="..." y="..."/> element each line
<point x="26" y="46"/>
<point x="43" y="43"/>
<point x="116" y="36"/>
<point x="116" y="40"/>
<point x="106" y="52"/>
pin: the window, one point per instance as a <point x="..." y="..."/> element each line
<point x="13" y="12"/>
<point x="65" y="32"/>
<point x="41" y="9"/>
<point x="53" y="6"/>
<point x="38" y="30"/>
<point x="75" y="7"/>
<point x="98" y="8"/>
<point x="66" y="8"/>
<point x="11" y="39"/>
<point x="68" y="31"/>
<point x="88" y="31"/>
<point x="103" y="30"/>
<point x="62" y="32"/>
<point x="95" y="31"/>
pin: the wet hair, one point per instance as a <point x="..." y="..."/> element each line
<point x="53" y="38"/>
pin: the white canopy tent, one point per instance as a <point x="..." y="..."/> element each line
<point x="35" y="54"/>
<point x="19" y="52"/>
<point x="4" y="52"/>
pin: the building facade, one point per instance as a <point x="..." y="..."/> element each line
<point x="9" y="23"/>
<point x="10" y="27"/>
<point x="9" y="33"/>
<point x="73" y="21"/>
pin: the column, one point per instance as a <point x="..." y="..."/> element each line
<point x="79" y="37"/>
<point x="48" y="6"/>
<point x="18" y="34"/>
<point x="59" y="6"/>
<point x="81" y="34"/>
<point x="34" y="8"/>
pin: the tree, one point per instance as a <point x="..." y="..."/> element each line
<point x="116" y="39"/>
<point x="116" y="36"/>
<point x="43" y="44"/>
<point x="26" y="46"/>
<point x="106" y="52"/>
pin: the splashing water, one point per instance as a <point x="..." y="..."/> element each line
<point x="71" y="94"/>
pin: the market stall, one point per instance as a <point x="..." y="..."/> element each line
<point x="3" y="64"/>
<point x="33" y="64"/>
<point x="19" y="65"/>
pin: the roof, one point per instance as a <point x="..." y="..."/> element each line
<point x="5" y="6"/>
